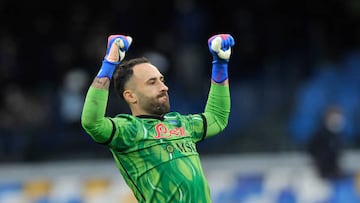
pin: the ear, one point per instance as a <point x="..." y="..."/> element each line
<point x="129" y="96"/>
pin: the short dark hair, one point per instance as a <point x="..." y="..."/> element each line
<point x="124" y="72"/>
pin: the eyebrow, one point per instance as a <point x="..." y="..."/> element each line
<point x="150" y="79"/>
<point x="154" y="78"/>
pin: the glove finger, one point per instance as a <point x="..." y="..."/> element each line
<point x="211" y="39"/>
<point x="231" y="40"/>
<point x="224" y="54"/>
<point x="224" y="44"/>
<point x="129" y="39"/>
<point x="227" y="41"/>
<point x="125" y="42"/>
<point x="111" y="40"/>
<point x="122" y="41"/>
<point x="216" y="44"/>
<point x="121" y="55"/>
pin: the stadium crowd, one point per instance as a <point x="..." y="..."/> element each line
<point x="293" y="60"/>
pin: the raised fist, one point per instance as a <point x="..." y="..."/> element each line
<point x="116" y="47"/>
<point x="220" y="46"/>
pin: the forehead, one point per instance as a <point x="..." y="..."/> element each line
<point x="146" y="71"/>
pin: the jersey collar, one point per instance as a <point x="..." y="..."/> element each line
<point x="159" y="117"/>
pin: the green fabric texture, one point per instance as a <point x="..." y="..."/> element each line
<point x="217" y="109"/>
<point x="92" y="118"/>
<point x="158" y="158"/>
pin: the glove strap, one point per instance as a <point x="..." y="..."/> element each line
<point x="107" y="69"/>
<point x="219" y="71"/>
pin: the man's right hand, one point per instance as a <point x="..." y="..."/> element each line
<point x="116" y="47"/>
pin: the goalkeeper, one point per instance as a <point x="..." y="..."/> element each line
<point x="154" y="148"/>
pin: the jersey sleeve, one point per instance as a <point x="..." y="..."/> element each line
<point x="93" y="119"/>
<point x="217" y="109"/>
<point x="197" y="126"/>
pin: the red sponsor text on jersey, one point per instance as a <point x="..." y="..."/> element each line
<point x="164" y="132"/>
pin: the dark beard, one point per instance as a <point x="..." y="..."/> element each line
<point x="154" y="107"/>
<point x="160" y="110"/>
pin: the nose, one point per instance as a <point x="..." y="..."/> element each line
<point x="164" y="87"/>
<point x="161" y="85"/>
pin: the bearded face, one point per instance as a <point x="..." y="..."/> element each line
<point x="146" y="91"/>
<point x="154" y="105"/>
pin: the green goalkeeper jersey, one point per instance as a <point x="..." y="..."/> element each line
<point x="157" y="156"/>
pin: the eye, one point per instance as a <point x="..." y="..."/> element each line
<point x="151" y="81"/>
<point x="162" y="79"/>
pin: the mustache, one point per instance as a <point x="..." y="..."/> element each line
<point x="162" y="94"/>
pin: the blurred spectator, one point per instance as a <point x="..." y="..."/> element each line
<point x="330" y="83"/>
<point x="71" y="97"/>
<point x="325" y="146"/>
<point x="24" y="115"/>
<point x="277" y="53"/>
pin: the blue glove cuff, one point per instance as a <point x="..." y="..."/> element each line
<point x="107" y="69"/>
<point x="219" y="71"/>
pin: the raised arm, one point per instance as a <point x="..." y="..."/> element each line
<point x="93" y="118"/>
<point x="217" y="108"/>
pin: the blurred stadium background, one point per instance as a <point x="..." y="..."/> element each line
<point x="294" y="129"/>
